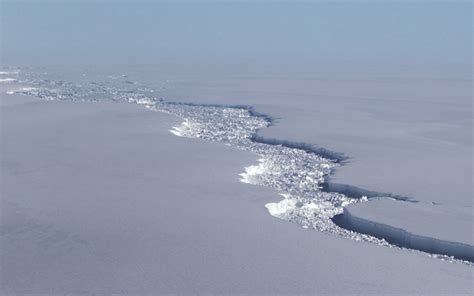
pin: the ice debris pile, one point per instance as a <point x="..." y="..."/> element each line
<point x="295" y="173"/>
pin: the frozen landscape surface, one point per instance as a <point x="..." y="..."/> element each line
<point x="236" y="147"/>
<point x="44" y="225"/>
<point x="100" y="198"/>
<point x="296" y="170"/>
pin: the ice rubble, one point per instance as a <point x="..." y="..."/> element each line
<point x="296" y="173"/>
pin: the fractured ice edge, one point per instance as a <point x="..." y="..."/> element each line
<point x="295" y="173"/>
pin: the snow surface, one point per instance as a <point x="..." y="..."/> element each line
<point x="296" y="173"/>
<point x="101" y="198"/>
<point x="295" y="169"/>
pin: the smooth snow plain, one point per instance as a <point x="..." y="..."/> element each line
<point x="323" y="284"/>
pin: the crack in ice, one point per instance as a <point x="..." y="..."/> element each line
<point x="296" y="174"/>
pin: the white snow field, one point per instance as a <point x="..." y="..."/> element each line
<point x="99" y="197"/>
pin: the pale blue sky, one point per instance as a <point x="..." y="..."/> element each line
<point x="423" y="31"/>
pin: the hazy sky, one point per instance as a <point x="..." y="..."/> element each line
<point x="407" y="31"/>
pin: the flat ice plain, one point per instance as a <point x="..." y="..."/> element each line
<point x="216" y="237"/>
